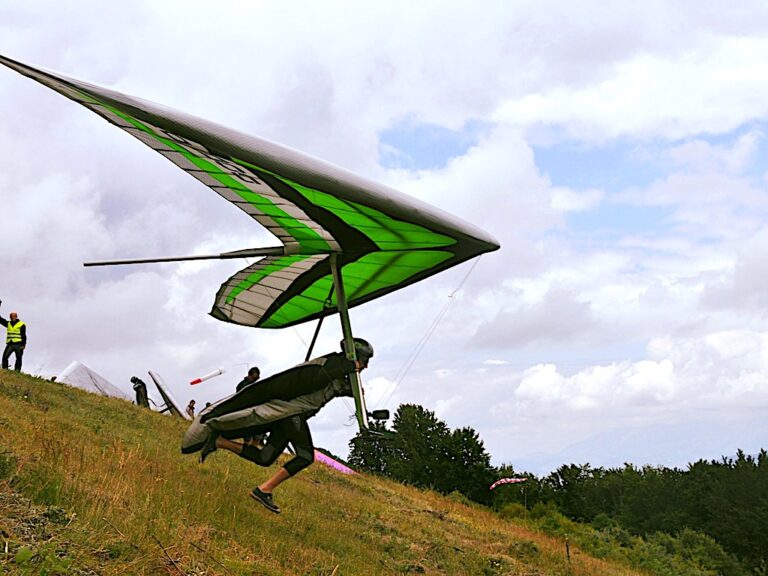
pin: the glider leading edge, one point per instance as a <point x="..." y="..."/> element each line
<point x="344" y="240"/>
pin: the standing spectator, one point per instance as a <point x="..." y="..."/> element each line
<point x="15" y="340"/>
<point x="191" y="409"/>
<point x="142" y="399"/>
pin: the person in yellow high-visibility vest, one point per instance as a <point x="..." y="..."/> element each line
<point x="15" y="340"/>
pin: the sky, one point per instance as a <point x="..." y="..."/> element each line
<point x="616" y="150"/>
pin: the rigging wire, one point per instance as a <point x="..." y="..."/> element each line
<point x="414" y="355"/>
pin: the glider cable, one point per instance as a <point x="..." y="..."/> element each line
<point x="326" y="305"/>
<point x="411" y="360"/>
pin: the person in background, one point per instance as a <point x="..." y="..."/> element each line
<point x="15" y="340"/>
<point x="142" y="399"/>
<point x="253" y="375"/>
<point x="191" y="409"/>
<point x="257" y="440"/>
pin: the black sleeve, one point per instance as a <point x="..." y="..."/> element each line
<point x="337" y="367"/>
<point x="293" y="382"/>
<point x="24" y="335"/>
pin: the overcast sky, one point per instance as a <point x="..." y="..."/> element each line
<point x="617" y="150"/>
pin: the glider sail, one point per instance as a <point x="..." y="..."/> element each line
<point x="170" y="403"/>
<point x="383" y="240"/>
<point x="79" y="375"/>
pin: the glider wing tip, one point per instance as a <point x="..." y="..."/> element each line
<point x="218" y="314"/>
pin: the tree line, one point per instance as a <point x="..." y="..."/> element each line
<point x="725" y="499"/>
<point x="424" y="452"/>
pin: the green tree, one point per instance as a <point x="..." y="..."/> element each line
<point x="372" y="451"/>
<point x="424" y="452"/>
<point x="569" y="484"/>
<point x="471" y="467"/>
<point x="421" y="455"/>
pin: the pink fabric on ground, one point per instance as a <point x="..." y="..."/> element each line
<point x="336" y="465"/>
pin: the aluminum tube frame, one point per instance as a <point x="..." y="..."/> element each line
<point x="349" y="344"/>
<point x="246" y="253"/>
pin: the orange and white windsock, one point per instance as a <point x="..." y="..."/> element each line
<point x="217" y="372"/>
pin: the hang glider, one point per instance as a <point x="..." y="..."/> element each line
<point x="169" y="402"/>
<point x="344" y="240"/>
<point x="80" y="376"/>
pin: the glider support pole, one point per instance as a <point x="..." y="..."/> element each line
<point x="349" y="345"/>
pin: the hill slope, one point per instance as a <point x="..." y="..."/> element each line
<point x="92" y="485"/>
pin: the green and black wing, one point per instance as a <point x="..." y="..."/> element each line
<point x="383" y="239"/>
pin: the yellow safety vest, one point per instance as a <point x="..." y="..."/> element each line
<point x="14" y="332"/>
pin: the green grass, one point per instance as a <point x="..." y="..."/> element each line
<point x="92" y="485"/>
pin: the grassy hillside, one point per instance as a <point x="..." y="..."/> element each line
<point x="92" y="485"/>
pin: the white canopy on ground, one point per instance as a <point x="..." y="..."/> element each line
<point x="171" y="405"/>
<point x="80" y="376"/>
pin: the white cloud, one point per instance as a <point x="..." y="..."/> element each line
<point x="742" y="286"/>
<point x="559" y="316"/>
<point x="681" y="380"/>
<point x="573" y="201"/>
<point x="709" y="90"/>
<point x="705" y="157"/>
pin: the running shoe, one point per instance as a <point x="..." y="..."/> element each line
<point x="265" y="499"/>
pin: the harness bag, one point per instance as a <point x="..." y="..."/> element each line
<point x="256" y="419"/>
